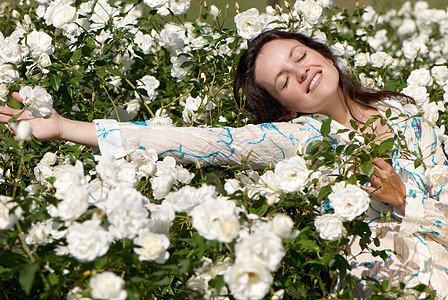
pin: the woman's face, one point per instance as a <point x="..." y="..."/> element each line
<point x="300" y="78"/>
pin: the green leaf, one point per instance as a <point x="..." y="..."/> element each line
<point x="367" y="169"/>
<point x="325" y="128"/>
<point x="55" y="81"/>
<point x="354" y="124"/>
<point x="76" y="56"/>
<point x="386" y="146"/>
<point x="388" y="113"/>
<point x="312" y="147"/>
<point x="26" y="277"/>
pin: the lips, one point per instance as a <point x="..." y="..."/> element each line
<point x="314" y="82"/>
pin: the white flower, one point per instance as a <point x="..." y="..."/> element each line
<point x="22" y="130"/>
<point x="216" y="219"/>
<point x="60" y="14"/>
<point x="292" y="174"/>
<point x="440" y="74"/>
<point x="49" y="158"/>
<point x="3" y="94"/>
<point x="39" y="42"/>
<point x="74" y="204"/>
<point x="177" y="70"/>
<point x="179" y="7"/>
<point x="310" y="10"/>
<point x="144" y="41"/>
<point x="282" y="226"/>
<point x="149" y="84"/>
<point x="127" y="220"/>
<point x="37" y="100"/>
<point x="330" y="227"/>
<point x="349" y="202"/>
<point x="437" y="175"/>
<point x="68" y="176"/>
<point x="162" y="185"/>
<point x="8" y="74"/>
<point x="264" y="248"/>
<point x="248" y="280"/>
<point x="153" y="246"/>
<point x="116" y="172"/>
<point x="418" y="93"/>
<point x="39" y="233"/>
<point x="6" y="212"/>
<point x="87" y="241"/>
<point x="412" y="48"/>
<point x="145" y="161"/>
<point x="431" y="112"/>
<point x="155" y="3"/>
<point x="44" y="61"/>
<point x="214" y="11"/>
<point x="119" y="196"/>
<point x="248" y="23"/>
<point x="162" y="216"/>
<point x="361" y="59"/>
<point x="420" y="77"/>
<point x="381" y="59"/>
<point x="188" y="197"/>
<point x="107" y="285"/>
<point x="11" y="51"/>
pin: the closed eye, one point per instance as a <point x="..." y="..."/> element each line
<point x="302" y="57"/>
<point x="286" y="82"/>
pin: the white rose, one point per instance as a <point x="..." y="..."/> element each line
<point x="116" y="172"/>
<point x="60" y="14"/>
<point x="162" y="185"/>
<point x="3" y="94"/>
<point x="6" y="215"/>
<point x="44" y="61"/>
<point x="144" y="41"/>
<point x="349" y="202"/>
<point x="149" y="84"/>
<point x="8" y="74"/>
<point x="11" y="51"/>
<point x="68" y="176"/>
<point x="310" y="10"/>
<point x="440" y="74"/>
<point x="87" y="241"/>
<point x="330" y="227"/>
<point x="381" y="59"/>
<point x="418" y="93"/>
<point x="145" y="161"/>
<point x="127" y="220"/>
<point x="248" y="24"/>
<point x="39" y="42"/>
<point x="155" y="3"/>
<point x="179" y="7"/>
<point x="420" y="77"/>
<point x="412" y="48"/>
<point x="282" y="226"/>
<point x="437" y="175"/>
<point x="361" y="59"/>
<point x="74" y="204"/>
<point x="153" y="246"/>
<point x="214" y="11"/>
<point x="216" y="219"/>
<point x="431" y="112"/>
<point x="38" y="102"/>
<point x="188" y="197"/>
<point x="248" y="280"/>
<point x="49" y="158"/>
<point x="39" y="233"/>
<point x="22" y="130"/>
<point x="42" y="172"/>
<point x="177" y="70"/>
<point x="292" y="174"/>
<point x="107" y="285"/>
<point x="133" y="108"/>
<point x="264" y="248"/>
<point x="119" y="196"/>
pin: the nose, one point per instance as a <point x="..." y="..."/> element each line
<point x="301" y="73"/>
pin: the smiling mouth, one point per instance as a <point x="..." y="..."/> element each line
<point x="314" y="81"/>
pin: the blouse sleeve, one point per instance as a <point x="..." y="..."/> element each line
<point x="426" y="206"/>
<point x="258" y="145"/>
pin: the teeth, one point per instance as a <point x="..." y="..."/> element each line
<point x="313" y="82"/>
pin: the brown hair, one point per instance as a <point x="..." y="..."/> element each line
<point x="267" y="108"/>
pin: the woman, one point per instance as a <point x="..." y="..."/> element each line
<point x="284" y="75"/>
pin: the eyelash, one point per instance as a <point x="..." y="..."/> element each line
<point x="287" y="78"/>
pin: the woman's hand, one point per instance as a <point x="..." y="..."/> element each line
<point x="42" y="128"/>
<point x="55" y="127"/>
<point x="386" y="185"/>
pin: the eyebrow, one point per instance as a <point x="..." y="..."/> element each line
<point x="281" y="72"/>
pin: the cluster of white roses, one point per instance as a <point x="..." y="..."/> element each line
<point x="348" y="202"/>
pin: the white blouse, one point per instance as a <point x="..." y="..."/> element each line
<point x="419" y="240"/>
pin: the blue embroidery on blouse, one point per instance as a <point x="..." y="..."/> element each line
<point x="446" y="270"/>
<point x="326" y="205"/>
<point x="140" y="123"/>
<point x="417" y="125"/>
<point x="270" y="126"/>
<point x="262" y="139"/>
<point x="369" y="265"/>
<point x="103" y="133"/>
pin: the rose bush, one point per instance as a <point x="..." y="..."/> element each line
<point x="78" y="226"/>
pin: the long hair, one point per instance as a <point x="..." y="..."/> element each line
<point x="267" y="108"/>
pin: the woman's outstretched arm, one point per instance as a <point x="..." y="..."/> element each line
<point x="55" y="127"/>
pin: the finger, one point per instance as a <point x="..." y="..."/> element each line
<point x="4" y="110"/>
<point x="381" y="163"/>
<point x="17" y="97"/>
